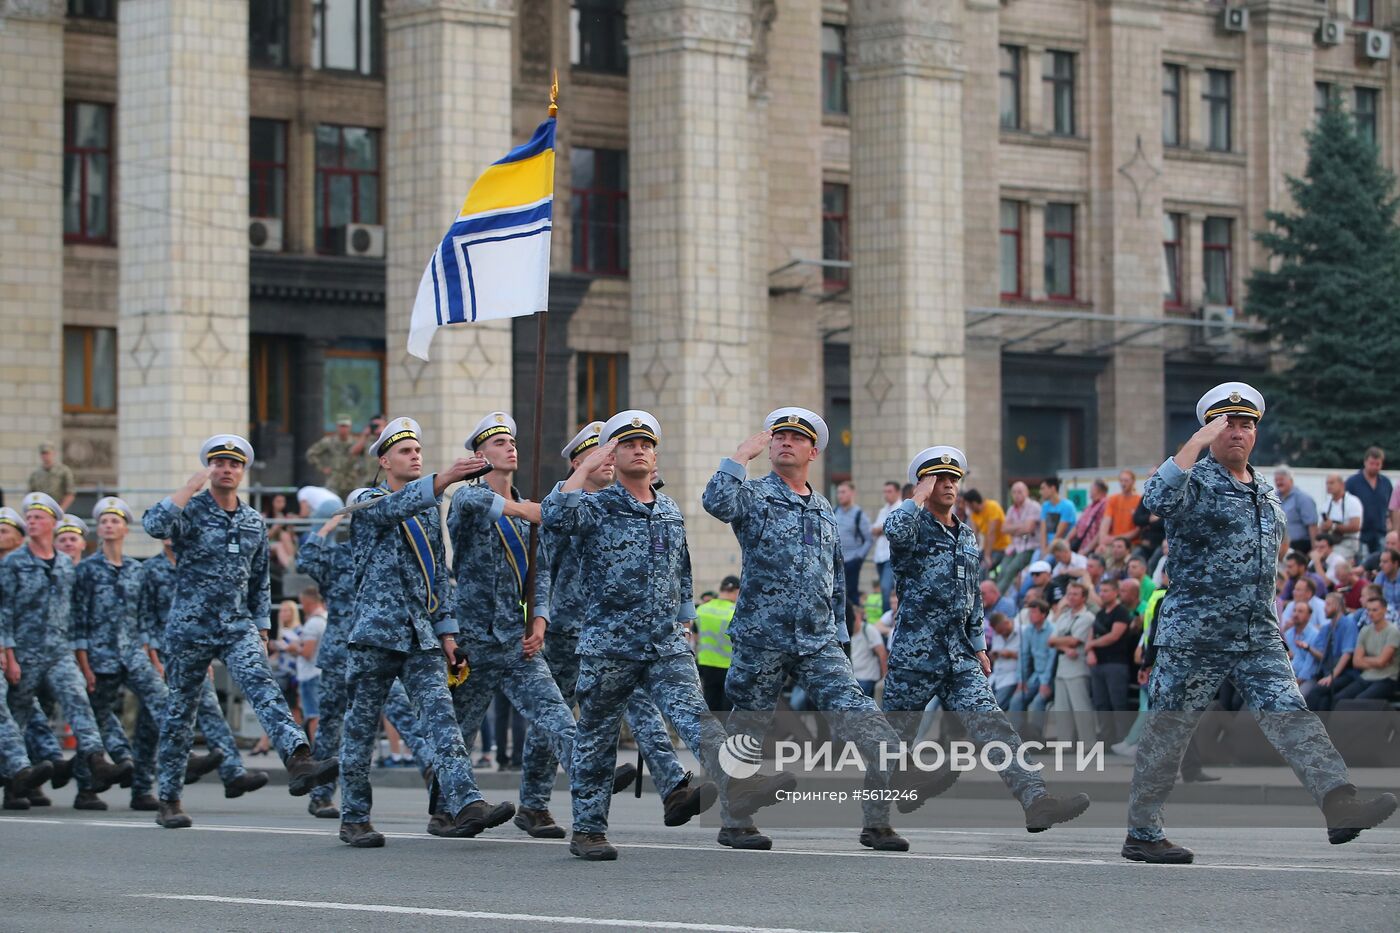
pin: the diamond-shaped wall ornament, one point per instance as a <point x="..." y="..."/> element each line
<point x="1140" y="173"/>
<point x="210" y="349"/>
<point x="656" y="374"/>
<point x="879" y="384"/>
<point x="143" y="352"/>
<point x="476" y="362"/>
<point x="717" y="373"/>
<point x="413" y="368"/>
<point x="936" y="384"/>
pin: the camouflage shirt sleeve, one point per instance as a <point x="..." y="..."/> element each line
<point x="1166" y="491"/>
<point x="7" y="614"/>
<point x="685" y="610"/>
<point x="544" y="576"/>
<point x="569" y="513"/>
<point x="163" y="520"/>
<point x="313" y="559"/>
<point x="80" y="615"/>
<point x="975" y="632"/>
<point x="727" y="495"/>
<point x="260" y="586"/>
<point x="397" y="507"/>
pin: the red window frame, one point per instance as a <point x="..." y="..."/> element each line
<point x="1227" y="249"/>
<point x="1179" y="222"/>
<point x="324" y="174"/>
<point x="70" y="109"/>
<point x="615" y="207"/>
<point x="836" y="278"/>
<point x="1019" y="233"/>
<point x="1070" y="236"/>
<point x="261" y="173"/>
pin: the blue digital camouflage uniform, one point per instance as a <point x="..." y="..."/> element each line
<point x="792" y="598"/>
<point x="222" y="598"/>
<point x="1216" y="621"/>
<point x="561" y="597"/>
<point x="157" y="593"/>
<point x="14" y="757"/>
<point x="394" y="631"/>
<point x="632" y="634"/>
<point x="35" y="602"/>
<point x="331" y="564"/>
<point x="490" y="614"/>
<point x="106" y="623"/>
<point x="938" y="633"/>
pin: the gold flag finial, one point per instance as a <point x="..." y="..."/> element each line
<point x="554" y="95"/>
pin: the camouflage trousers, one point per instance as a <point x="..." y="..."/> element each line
<point x="14" y="757"/>
<point x="605" y="690"/>
<point x="373" y="672"/>
<point x="186" y="673"/>
<point x="756" y="677"/>
<point x="398" y="710"/>
<point x="963" y="690"/>
<point x="138" y="675"/>
<point x="1184" y="682"/>
<point x="62" y="680"/>
<point x="217" y="736"/>
<point x="38" y="735"/>
<point x="529" y="687"/>
<point x="539" y="763"/>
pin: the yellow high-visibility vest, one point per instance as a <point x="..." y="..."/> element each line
<point x="712" y="628"/>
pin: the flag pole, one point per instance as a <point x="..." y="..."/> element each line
<point x="541" y="331"/>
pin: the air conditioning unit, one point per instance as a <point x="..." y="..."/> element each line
<point x="1331" y="32"/>
<point x="1234" y="19"/>
<point x="265" y="233"/>
<point x="1373" y="46"/>
<point x="1219" y="329"/>
<point x="364" y="240"/>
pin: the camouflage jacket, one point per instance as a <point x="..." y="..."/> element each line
<point x="792" y="594"/>
<point x="392" y="607"/>
<point x="222" y="587"/>
<point x="105" y="614"/>
<point x="637" y="565"/>
<point x="561" y="596"/>
<point x="1223" y="544"/>
<point x="937" y="570"/>
<point x="35" y="600"/>
<point x="153" y="604"/>
<point x="332" y="565"/>
<point x="487" y="602"/>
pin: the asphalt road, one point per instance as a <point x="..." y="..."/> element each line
<point x="260" y="863"/>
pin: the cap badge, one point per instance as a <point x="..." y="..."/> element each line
<point x="945" y="459"/>
<point x="636" y="422"/>
<point x="1235" y="397"/>
<point x="793" y="419"/>
<point x="500" y="418"/>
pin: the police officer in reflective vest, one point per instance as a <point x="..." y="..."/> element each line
<point x="713" y="650"/>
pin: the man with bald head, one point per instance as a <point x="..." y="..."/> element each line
<point x="1023" y="525"/>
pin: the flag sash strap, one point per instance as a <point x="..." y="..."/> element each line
<point x="517" y="554"/>
<point x="422" y="549"/>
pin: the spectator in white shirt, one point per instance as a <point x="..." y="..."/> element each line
<point x="1325" y="559"/>
<point x="868" y="655"/>
<point x="1006" y="658"/>
<point x="1341" y="518"/>
<point x="313" y="629"/>
<point x="883" y="567"/>
<point x="1074" y="626"/>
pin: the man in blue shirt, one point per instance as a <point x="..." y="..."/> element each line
<point x="1300" y="510"/>
<point x="1057" y="514"/>
<point x="1373" y="489"/>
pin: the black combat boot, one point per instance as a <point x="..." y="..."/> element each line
<point x="1160" y="852"/>
<point x="744" y="837"/>
<point x="883" y="839"/>
<point x="1047" y="810"/>
<point x="1347" y="816"/>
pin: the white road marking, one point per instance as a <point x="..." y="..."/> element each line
<point x="678" y="847"/>
<point x="476" y="914"/>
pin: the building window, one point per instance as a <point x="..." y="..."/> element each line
<point x="836" y="234"/>
<point x="1059" y="251"/>
<point x="1171" y="259"/>
<point x="267" y="168"/>
<point x="347" y="180"/>
<point x="1011" y="286"/>
<point x="599" y="210"/>
<point x="1058" y="80"/>
<point x="92" y="9"/>
<point x="270" y="381"/>
<point x="1364" y="12"/>
<point x="1009" y="77"/>
<point x="352" y="383"/>
<point x="1171" y="105"/>
<point x="1324" y="94"/>
<point x="1217" y="260"/>
<point x="267" y="33"/>
<point x="602" y="386"/>
<point x="598" y="40"/>
<point x="347" y="35"/>
<point x="1218" y="98"/>
<point x="1366" y="111"/>
<point x="834" y="69"/>
<point x="87" y="173"/>
<point x="90" y="369"/>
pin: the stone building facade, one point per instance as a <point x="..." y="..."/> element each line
<point x="1021" y="226"/>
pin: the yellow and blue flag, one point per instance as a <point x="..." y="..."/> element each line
<point x="494" y="262"/>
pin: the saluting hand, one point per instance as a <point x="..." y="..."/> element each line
<point x="463" y="467"/>
<point x="923" y="490"/>
<point x="197" y="479"/>
<point x="753" y="446"/>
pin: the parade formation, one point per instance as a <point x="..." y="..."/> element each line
<point x="599" y="618"/>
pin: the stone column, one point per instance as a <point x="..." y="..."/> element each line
<point x="1126" y="165"/>
<point x="448" y="70"/>
<point x="31" y="233"/>
<point x="907" y="312"/>
<point x="182" y="164"/>
<point x="698" y="287"/>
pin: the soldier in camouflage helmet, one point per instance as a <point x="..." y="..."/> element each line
<point x="939" y="649"/>
<point x="638" y="563"/>
<point x="561" y="601"/>
<point x="220" y="610"/>
<point x="1225" y="531"/>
